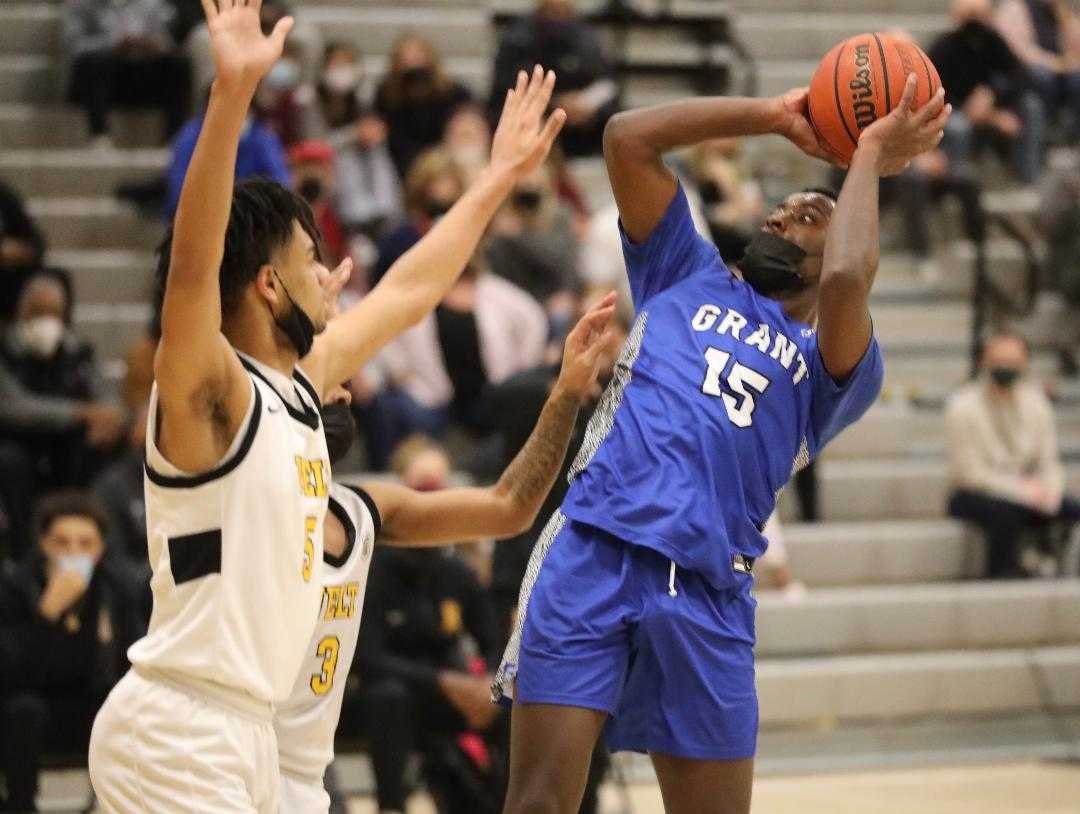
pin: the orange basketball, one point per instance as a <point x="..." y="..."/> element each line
<point x="861" y="80"/>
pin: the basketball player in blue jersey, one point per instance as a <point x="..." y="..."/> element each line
<point x="636" y="609"/>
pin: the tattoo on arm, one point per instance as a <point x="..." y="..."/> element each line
<point x="529" y="477"/>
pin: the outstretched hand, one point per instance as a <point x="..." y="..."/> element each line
<point x="795" y="126"/>
<point x="242" y="53"/>
<point x="522" y="139"/>
<point x="906" y="133"/>
<point x="584" y="346"/>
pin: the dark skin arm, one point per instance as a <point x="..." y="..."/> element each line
<point x="636" y="140"/>
<point x="851" y="248"/>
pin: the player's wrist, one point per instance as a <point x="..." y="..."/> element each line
<point x="870" y="149"/>
<point x="775" y="116"/>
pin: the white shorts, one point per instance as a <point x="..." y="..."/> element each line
<point x="303" y="796"/>
<point x="155" y="748"/>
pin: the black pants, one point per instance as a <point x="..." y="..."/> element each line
<point x="401" y="720"/>
<point x="101" y="80"/>
<point x="1003" y="523"/>
<point x="18" y="487"/>
<point x="32" y="723"/>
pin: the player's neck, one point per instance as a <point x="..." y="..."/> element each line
<point x="803" y="306"/>
<point x="259" y="340"/>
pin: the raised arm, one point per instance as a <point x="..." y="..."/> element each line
<point x="510" y="506"/>
<point x="203" y="391"/>
<point x="636" y="140"/>
<point x="851" y="246"/>
<point x="416" y="283"/>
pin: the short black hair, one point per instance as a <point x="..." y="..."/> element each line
<point x="260" y="222"/>
<point x="70" y="503"/>
<point x="828" y="192"/>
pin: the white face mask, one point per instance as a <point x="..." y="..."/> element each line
<point x="285" y="75"/>
<point x="81" y="564"/>
<point x="341" y="79"/>
<point x="41" y="335"/>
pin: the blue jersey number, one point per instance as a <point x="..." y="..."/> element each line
<point x="739" y="388"/>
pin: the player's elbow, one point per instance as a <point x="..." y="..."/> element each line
<point x="851" y="281"/>
<point x="620" y="139"/>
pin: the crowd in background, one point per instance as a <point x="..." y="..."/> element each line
<point x="381" y="159"/>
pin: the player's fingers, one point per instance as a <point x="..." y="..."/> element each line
<point x="551" y="129"/>
<point x="506" y="103"/>
<point x="543" y="95"/>
<point x="210" y="9"/>
<point x="531" y="110"/>
<point x="932" y="108"/>
<point x="281" y="31"/>
<point x="225" y="5"/>
<point x="909" y="93"/>
<point x="522" y="84"/>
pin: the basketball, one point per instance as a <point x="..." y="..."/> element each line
<point x="861" y="80"/>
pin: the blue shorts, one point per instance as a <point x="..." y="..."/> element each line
<point x="602" y="631"/>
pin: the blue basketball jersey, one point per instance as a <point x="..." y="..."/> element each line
<point x="717" y="399"/>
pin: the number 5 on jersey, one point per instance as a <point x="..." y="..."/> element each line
<point x="743" y="386"/>
<point x="310" y="523"/>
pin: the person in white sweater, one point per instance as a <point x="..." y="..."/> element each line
<point x="1005" y="470"/>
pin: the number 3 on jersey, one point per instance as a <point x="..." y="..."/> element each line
<point x="327" y="650"/>
<point x="743" y="385"/>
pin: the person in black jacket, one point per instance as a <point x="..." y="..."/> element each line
<point x="22" y="247"/>
<point x="427" y="650"/>
<point x="68" y="613"/>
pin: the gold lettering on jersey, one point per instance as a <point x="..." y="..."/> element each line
<point x="339" y="601"/>
<point x="312" y="476"/>
<point x="732" y="323"/>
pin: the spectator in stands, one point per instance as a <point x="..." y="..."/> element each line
<point x="124" y="55"/>
<point x="428" y="645"/>
<point x="772" y="571"/>
<point x="68" y="613"/>
<point x="484" y="331"/>
<point x="312" y="165"/>
<point x="1045" y="34"/>
<point x="22" y="247"/>
<point x="281" y="99"/>
<point x="304" y="34"/>
<point x="55" y="424"/>
<point x="260" y="153"/>
<point x="534" y="246"/>
<point x="416" y="98"/>
<point x="432" y="186"/>
<point x="119" y="488"/>
<point x="732" y="202"/>
<point x="467" y="138"/>
<point x="555" y="36"/>
<point x="1006" y="475"/>
<point x="368" y="192"/>
<point x="987" y="85"/>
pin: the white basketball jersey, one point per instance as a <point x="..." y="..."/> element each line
<point x="237" y="552"/>
<point x="305" y="724"/>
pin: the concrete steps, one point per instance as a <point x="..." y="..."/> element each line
<point x="79" y="172"/>
<point x="949" y="616"/>
<point x="94" y="223"/>
<point x="108" y="276"/>
<point x="886" y="688"/>
<point x="810" y="35"/>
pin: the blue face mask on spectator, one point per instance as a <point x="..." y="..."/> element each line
<point x="81" y="564"/>
<point x="285" y="75"/>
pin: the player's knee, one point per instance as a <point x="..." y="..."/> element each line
<point x="541" y="795"/>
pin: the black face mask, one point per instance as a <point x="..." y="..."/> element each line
<point x="771" y="265"/>
<point x="339" y="426"/>
<point x="296" y="324"/>
<point x="710" y="193"/>
<point x="417" y="79"/>
<point x="436" y="209"/>
<point x="527" y="200"/>
<point x="311" y="190"/>
<point x="1005" y="376"/>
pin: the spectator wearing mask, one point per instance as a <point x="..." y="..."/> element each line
<point x="732" y="202"/>
<point x="1045" y="34"/>
<point x="259" y="153"/>
<point x="428" y="643"/>
<point x="467" y="139"/>
<point x="534" y="246"/>
<point x="313" y="178"/>
<point x="123" y="54"/>
<point x="1006" y="474"/>
<point x="304" y="35"/>
<point x="55" y="424"/>
<point x="555" y="35"/>
<point x="281" y="98"/>
<point x="432" y="186"/>
<point x="368" y="192"/>
<point x="68" y="613"/>
<point x="416" y="98"/>
<point x="484" y="331"/>
<point x="987" y="85"/>
<point x="22" y="247"/>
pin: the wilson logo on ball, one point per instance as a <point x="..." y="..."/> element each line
<point x="862" y="89"/>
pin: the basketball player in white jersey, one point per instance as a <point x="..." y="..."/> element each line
<point x="237" y="472"/>
<point x="389" y="514"/>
